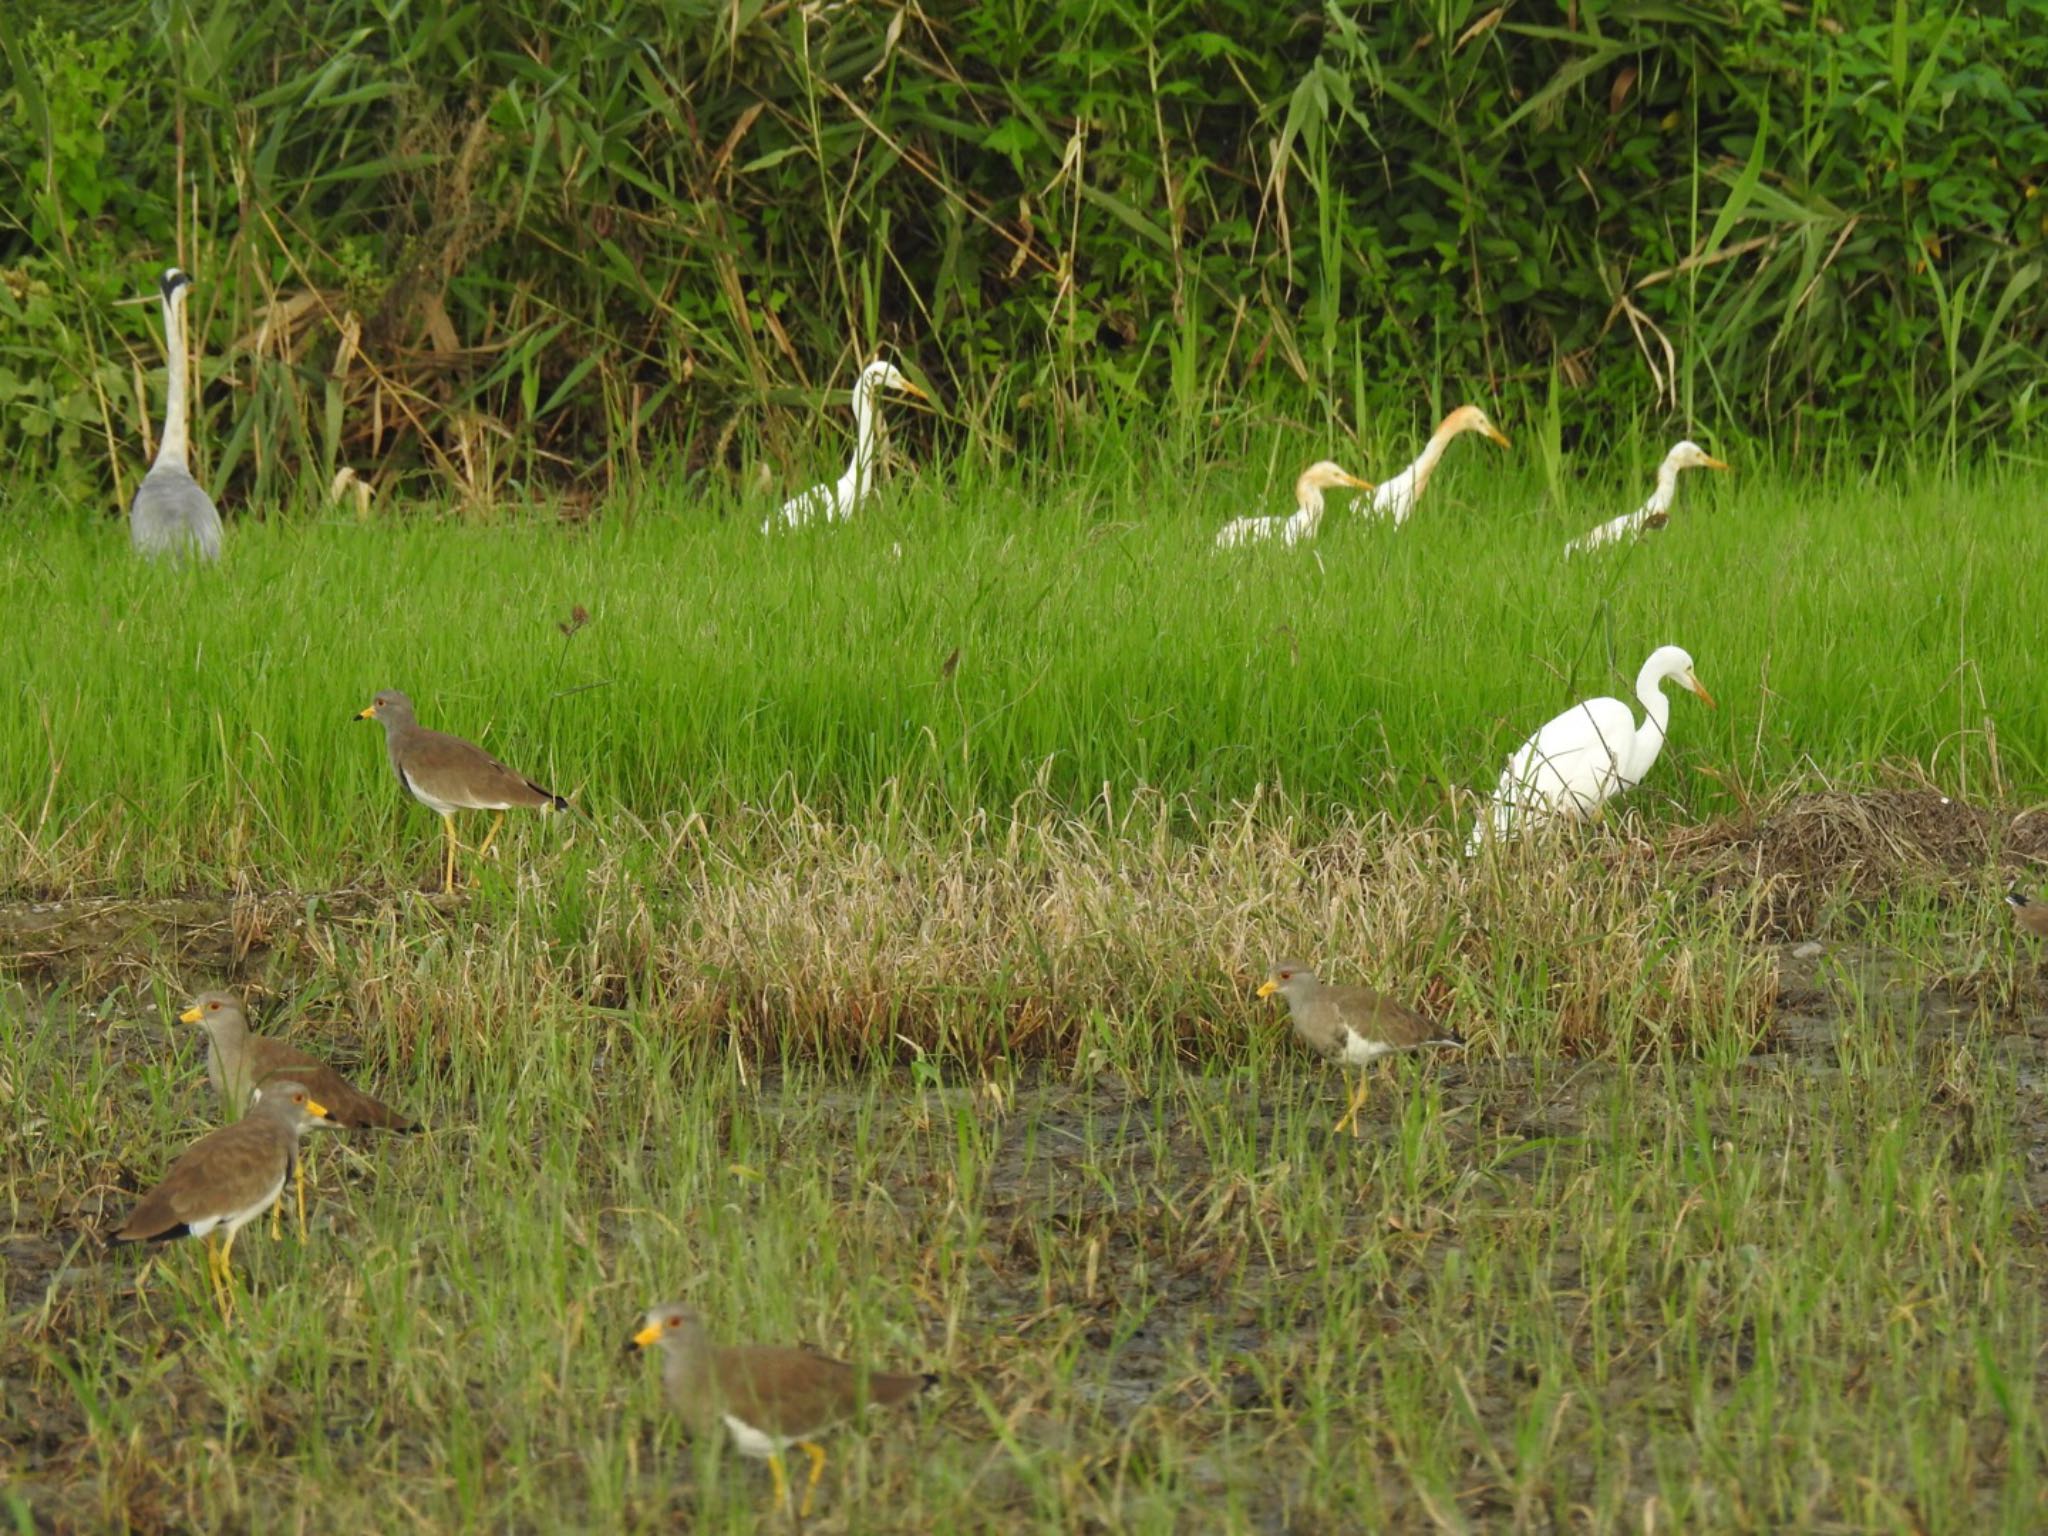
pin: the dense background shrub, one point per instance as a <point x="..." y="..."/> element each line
<point x="555" y="242"/>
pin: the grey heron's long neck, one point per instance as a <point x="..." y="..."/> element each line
<point x="1649" y="743"/>
<point x="170" y="451"/>
<point x="863" y="434"/>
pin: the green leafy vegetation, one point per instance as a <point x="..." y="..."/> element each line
<point x="501" y="248"/>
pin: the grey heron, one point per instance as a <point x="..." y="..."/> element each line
<point x="171" y="512"/>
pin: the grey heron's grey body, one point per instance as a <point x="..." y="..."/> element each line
<point x="171" y="512"/>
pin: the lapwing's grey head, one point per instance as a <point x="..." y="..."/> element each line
<point x="215" y="1010"/>
<point x="670" y="1320"/>
<point x="1289" y="978"/>
<point x="285" y="1100"/>
<point x="388" y="706"/>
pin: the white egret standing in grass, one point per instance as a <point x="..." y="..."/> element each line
<point x="842" y="498"/>
<point x="171" y="512"/>
<point x="1587" y="755"/>
<point x="1301" y="525"/>
<point x="1655" y="512"/>
<point x="1396" y="498"/>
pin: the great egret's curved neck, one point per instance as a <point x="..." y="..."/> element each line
<point x="1649" y="742"/>
<point x="864" y="390"/>
<point x="170" y="451"/>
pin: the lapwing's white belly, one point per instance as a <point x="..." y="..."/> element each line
<point x="749" y="1441"/>
<point x="1361" y="1052"/>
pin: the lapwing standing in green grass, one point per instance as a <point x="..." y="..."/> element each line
<point x="1353" y="1026"/>
<point x="769" y="1398"/>
<point x="225" y="1180"/>
<point x="238" y="1062"/>
<point x="447" y="774"/>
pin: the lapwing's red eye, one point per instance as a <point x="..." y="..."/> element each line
<point x="675" y="1322"/>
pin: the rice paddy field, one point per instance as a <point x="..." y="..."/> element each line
<point x="891" y="993"/>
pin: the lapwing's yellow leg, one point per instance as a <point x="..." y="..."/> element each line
<point x="1351" y="1111"/>
<point x="817" y="1455"/>
<point x="227" y="1277"/>
<point x="491" y="836"/>
<point x="781" y="1481"/>
<point x="213" y="1271"/>
<point x="277" y="1218"/>
<point x="299" y="1182"/>
<point x="448" y="864"/>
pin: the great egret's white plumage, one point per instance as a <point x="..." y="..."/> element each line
<point x="171" y="512"/>
<point x="842" y="498"/>
<point x="1302" y="523"/>
<point x="1396" y="498"/>
<point x="1587" y="755"/>
<point x="1655" y="512"/>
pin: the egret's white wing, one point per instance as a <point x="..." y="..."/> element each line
<point x="1240" y="531"/>
<point x="1613" y="531"/>
<point x="1393" y="498"/>
<point x="1568" y="768"/>
<point x="801" y="509"/>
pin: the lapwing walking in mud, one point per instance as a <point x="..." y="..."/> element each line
<point x="225" y="1180"/>
<point x="238" y="1062"/>
<point x="768" y="1398"/>
<point x="1352" y="1026"/>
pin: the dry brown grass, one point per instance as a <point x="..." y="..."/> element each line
<point x="798" y="934"/>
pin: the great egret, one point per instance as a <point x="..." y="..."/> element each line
<point x="841" y="499"/>
<point x="1587" y="755"/>
<point x="1301" y="525"/>
<point x="1655" y="512"/>
<point x="171" y="512"/>
<point x="1396" y="498"/>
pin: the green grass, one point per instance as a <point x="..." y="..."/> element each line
<point x="865" y="1012"/>
<point x="169" y="723"/>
